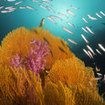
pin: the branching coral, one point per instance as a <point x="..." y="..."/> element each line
<point x="18" y="42"/>
<point x="20" y="87"/>
<point x="35" y="60"/>
<point x="72" y="72"/>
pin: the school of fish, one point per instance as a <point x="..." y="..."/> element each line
<point x="46" y="5"/>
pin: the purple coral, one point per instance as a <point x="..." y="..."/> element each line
<point x="17" y="61"/>
<point x="36" y="60"/>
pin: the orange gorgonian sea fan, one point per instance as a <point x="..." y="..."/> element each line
<point x="72" y="72"/>
<point x="20" y="87"/>
<point x="18" y="40"/>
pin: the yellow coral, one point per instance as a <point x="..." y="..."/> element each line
<point x="20" y="87"/>
<point x="18" y="40"/>
<point x="72" y="72"/>
<point x="58" y="94"/>
<point x="84" y="96"/>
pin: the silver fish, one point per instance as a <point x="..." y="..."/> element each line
<point x="84" y="38"/>
<point x="72" y="25"/>
<point x="84" y="20"/>
<point x="102" y="13"/>
<point x="71" y="13"/>
<point x="42" y="6"/>
<point x="86" y="52"/>
<point x="92" y="18"/>
<point x="62" y="14"/>
<point x="100" y="45"/>
<point x="72" y="41"/>
<point x="51" y="19"/>
<point x="98" y="51"/>
<point x="55" y="17"/>
<point x="90" y="54"/>
<point x="91" y="49"/>
<point x="89" y="30"/>
<point x="18" y="2"/>
<point x="84" y="30"/>
<point x="98" y="15"/>
<point x="1" y="7"/>
<point x="67" y="30"/>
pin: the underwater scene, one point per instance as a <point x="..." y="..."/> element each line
<point x="52" y="52"/>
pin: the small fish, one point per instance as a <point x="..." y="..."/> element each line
<point x="18" y="2"/>
<point x="102" y="13"/>
<point x="86" y="53"/>
<point x="72" y="25"/>
<point x="51" y="19"/>
<point x="22" y="7"/>
<point x="1" y="7"/>
<point x="73" y="7"/>
<point x="92" y="18"/>
<point x="4" y="11"/>
<point x="84" y="30"/>
<point x="62" y="43"/>
<point x="29" y="7"/>
<point x="35" y="0"/>
<point x="62" y="14"/>
<point x="46" y="3"/>
<point x="67" y="30"/>
<point x="98" y="15"/>
<point x="51" y="53"/>
<point x="62" y="50"/>
<point x="72" y="41"/>
<point x="46" y="0"/>
<point x="71" y="13"/>
<point x="97" y="68"/>
<point x="90" y="54"/>
<point x="46" y="41"/>
<point x="97" y="79"/>
<point x="91" y="49"/>
<point x="84" y="38"/>
<point x="50" y="9"/>
<point x="98" y="51"/>
<point x="11" y="7"/>
<point x="84" y="20"/>
<point x="42" y="6"/>
<point x="100" y="45"/>
<point x="55" y="17"/>
<point x="42" y="22"/>
<point x="11" y="0"/>
<point x="99" y="74"/>
<point x="89" y="30"/>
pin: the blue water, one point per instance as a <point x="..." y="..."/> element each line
<point x="31" y="18"/>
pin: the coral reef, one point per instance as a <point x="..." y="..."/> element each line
<point x="35" y="61"/>
<point x="20" y="87"/>
<point x="72" y="72"/>
<point x="60" y="94"/>
<point x="18" y="40"/>
<point x="68" y="81"/>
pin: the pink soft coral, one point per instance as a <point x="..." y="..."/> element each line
<point x="36" y="60"/>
